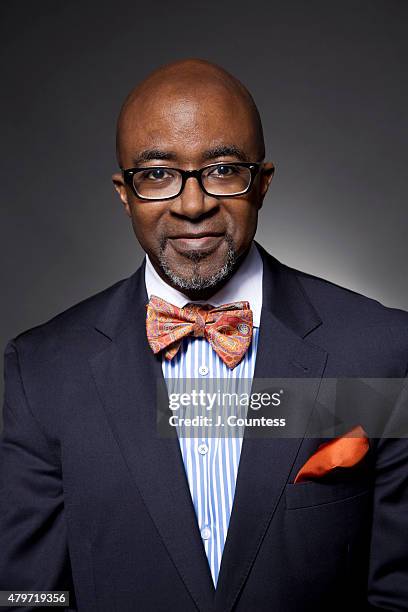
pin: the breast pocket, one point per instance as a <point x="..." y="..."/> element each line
<point x="311" y="494"/>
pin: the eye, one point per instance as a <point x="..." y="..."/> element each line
<point x="157" y="174"/>
<point x="223" y="171"/>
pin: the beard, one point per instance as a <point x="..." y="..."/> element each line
<point x="195" y="281"/>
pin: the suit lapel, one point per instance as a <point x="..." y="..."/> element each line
<point x="265" y="464"/>
<point x="126" y="374"/>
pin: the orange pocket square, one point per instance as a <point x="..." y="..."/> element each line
<point x="345" y="451"/>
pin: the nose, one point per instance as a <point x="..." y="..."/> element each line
<point x="193" y="202"/>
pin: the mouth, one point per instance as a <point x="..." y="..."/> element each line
<point x="196" y="241"/>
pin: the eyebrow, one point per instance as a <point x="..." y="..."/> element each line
<point x="225" y="151"/>
<point x="150" y="154"/>
<point x="208" y="154"/>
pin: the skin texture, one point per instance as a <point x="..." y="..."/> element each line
<point x="189" y="114"/>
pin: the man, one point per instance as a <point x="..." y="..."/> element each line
<point x="94" y="501"/>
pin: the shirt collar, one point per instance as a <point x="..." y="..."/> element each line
<point x="244" y="285"/>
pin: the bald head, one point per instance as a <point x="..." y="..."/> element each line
<point x="189" y="92"/>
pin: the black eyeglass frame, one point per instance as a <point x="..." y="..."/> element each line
<point x="129" y="173"/>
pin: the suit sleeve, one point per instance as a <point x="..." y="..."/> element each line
<point x="33" y="536"/>
<point x="388" y="575"/>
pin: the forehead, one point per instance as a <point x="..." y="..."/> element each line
<point x="188" y="123"/>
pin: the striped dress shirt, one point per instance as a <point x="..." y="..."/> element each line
<point x="211" y="463"/>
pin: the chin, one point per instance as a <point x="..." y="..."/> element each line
<point x="196" y="270"/>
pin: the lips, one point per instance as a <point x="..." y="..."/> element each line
<point x="198" y="241"/>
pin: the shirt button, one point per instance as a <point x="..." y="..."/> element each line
<point x="203" y="449"/>
<point x="203" y="370"/>
<point x="206" y="533"/>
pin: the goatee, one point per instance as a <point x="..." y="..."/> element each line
<point x="195" y="281"/>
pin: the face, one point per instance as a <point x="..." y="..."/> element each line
<point x="195" y="241"/>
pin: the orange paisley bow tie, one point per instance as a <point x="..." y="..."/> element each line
<point x="228" y="328"/>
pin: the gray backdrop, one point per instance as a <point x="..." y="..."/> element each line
<point x="330" y="82"/>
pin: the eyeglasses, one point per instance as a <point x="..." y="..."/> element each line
<point x="225" y="180"/>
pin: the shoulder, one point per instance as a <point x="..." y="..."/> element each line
<point x="360" y="328"/>
<point x="346" y="306"/>
<point x="330" y="301"/>
<point x="344" y="322"/>
<point x="360" y="333"/>
<point x="71" y="328"/>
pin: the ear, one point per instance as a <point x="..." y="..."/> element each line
<point x="267" y="172"/>
<point x="120" y="187"/>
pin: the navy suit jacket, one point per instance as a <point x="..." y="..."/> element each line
<point x="94" y="502"/>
